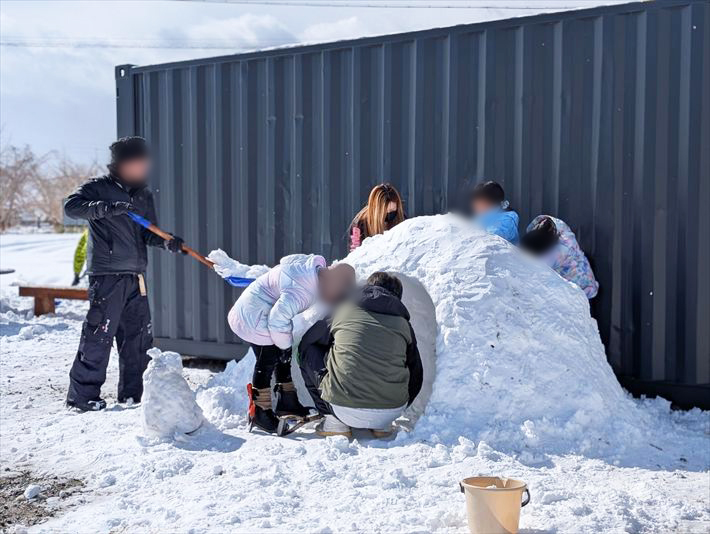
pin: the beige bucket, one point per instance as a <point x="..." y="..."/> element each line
<point x="493" y="504"/>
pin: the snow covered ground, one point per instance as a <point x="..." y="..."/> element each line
<point x="40" y="258"/>
<point x="544" y="408"/>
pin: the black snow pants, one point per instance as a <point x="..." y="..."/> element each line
<point x="312" y="357"/>
<point x="271" y="360"/>
<point x="117" y="310"/>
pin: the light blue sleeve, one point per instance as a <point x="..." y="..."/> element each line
<point x="505" y="225"/>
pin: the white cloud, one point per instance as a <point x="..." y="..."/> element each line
<point x="348" y="28"/>
<point x="247" y="31"/>
<point x="63" y="98"/>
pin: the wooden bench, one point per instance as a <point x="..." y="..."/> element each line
<point x="44" y="296"/>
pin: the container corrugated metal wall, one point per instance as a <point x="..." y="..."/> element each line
<point x="600" y="116"/>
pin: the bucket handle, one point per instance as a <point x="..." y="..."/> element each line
<point x="527" y="500"/>
<point x="526" y="492"/>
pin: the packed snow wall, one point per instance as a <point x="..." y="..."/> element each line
<point x="518" y="357"/>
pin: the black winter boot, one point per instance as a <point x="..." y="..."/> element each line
<point x="87" y="406"/>
<point x="287" y="402"/>
<point x="260" y="413"/>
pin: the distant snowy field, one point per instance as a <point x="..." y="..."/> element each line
<point x="224" y="479"/>
<point x="38" y="259"/>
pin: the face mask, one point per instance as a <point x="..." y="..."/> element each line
<point x="391" y="217"/>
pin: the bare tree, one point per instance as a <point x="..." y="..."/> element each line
<point x="36" y="185"/>
<point x="19" y="169"/>
<point x="50" y="188"/>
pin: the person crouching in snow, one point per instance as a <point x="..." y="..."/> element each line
<point x="263" y="316"/>
<point x="553" y="241"/>
<point x="492" y="211"/>
<point x="363" y="369"/>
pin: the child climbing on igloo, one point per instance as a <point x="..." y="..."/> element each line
<point x="553" y="241"/>
<point x="492" y="211"/>
<point x="263" y="316"/>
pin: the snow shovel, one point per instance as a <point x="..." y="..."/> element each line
<point x="235" y="281"/>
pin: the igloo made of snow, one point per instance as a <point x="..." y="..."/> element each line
<point x="510" y="350"/>
<point x="511" y="354"/>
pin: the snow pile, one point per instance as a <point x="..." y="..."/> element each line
<point x="32" y="331"/>
<point x="224" y="398"/>
<point x="519" y="361"/>
<point x="32" y="491"/>
<point x="169" y="405"/>
<point x="511" y="354"/>
<point x="226" y="266"/>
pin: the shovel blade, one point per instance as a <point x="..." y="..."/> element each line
<point x="238" y="282"/>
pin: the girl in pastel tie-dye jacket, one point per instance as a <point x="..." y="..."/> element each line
<point x="552" y="240"/>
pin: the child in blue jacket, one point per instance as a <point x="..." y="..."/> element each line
<point x="492" y="211"/>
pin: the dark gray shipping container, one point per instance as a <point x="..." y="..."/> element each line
<point x="598" y="116"/>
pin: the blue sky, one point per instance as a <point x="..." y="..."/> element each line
<point x="63" y="98"/>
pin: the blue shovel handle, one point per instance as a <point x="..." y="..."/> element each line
<point x="145" y="223"/>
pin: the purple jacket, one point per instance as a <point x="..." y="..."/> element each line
<point x="264" y="312"/>
<point x="568" y="259"/>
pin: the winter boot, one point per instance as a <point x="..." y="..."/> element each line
<point x="260" y="413"/>
<point x="381" y="433"/>
<point x="287" y="402"/>
<point x="331" y="426"/>
<point x="87" y="406"/>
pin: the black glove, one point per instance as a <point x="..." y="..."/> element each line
<point x="112" y="209"/>
<point x="76" y="280"/>
<point x="175" y="245"/>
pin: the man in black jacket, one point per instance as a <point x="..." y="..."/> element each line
<point x="116" y="264"/>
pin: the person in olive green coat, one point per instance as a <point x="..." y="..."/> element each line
<point x="80" y="256"/>
<point x="363" y="368"/>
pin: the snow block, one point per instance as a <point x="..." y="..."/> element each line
<point x="227" y="267"/>
<point x="169" y="406"/>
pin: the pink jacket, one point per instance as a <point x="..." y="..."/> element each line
<point x="264" y="312"/>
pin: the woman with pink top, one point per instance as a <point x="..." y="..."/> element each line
<point x="383" y="211"/>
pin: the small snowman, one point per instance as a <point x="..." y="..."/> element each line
<point x="169" y="405"/>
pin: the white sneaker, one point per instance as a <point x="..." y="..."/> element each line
<point x="332" y="426"/>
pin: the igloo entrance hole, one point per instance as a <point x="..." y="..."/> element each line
<point x="423" y="318"/>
